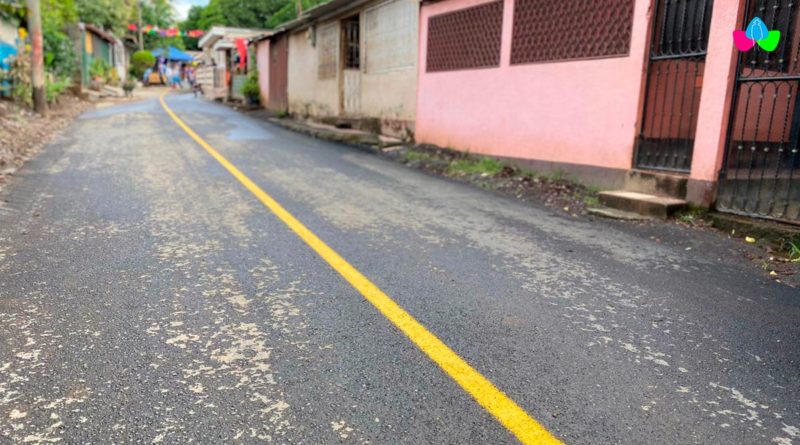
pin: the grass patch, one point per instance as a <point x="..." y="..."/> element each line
<point x="471" y="166"/>
<point x="418" y="156"/>
<point x="692" y="216"/>
<point x="591" y="201"/>
<point x="793" y="248"/>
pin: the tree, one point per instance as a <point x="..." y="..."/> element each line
<point x="245" y="13"/>
<point x="192" y="22"/>
<point x="212" y="15"/>
<point x="112" y="15"/>
<point x="59" y="54"/>
<point x="159" y="13"/>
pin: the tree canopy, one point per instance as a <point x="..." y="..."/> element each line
<point x="245" y="13"/>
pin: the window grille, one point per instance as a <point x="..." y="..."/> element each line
<point x="549" y="31"/>
<point x="328" y="36"/>
<point x="465" y="39"/>
<point x="352" y="42"/>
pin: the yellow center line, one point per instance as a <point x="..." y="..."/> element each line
<point x="505" y="410"/>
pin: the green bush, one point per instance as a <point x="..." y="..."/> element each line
<point x="55" y="88"/>
<point x="251" y="88"/>
<point x="99" y="69"/>
<point x="22" y="90"/>
<point x="59" y="53"/>
<point x="140" y="62"/>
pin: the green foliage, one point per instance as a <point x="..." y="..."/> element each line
<point x="591" y="201"/>
<point x="160" y="13"/>
<point x="289" y="12"/>
<point x="12" y="10"/>
<point x="20" y="74"/>
<point x="250" y="88"/>
<point x="244" y="14"/>
<point x="417" y="156"/>
<point x="140" y="62"/>
<point x="59" y="52"/>
<point x="694" y="216"/>
<point x="57" y="14"/>
<point x="99" y="69"/>
<point x="54" y="89"/>
<point x="192" y="22"/>
<point x="108" y="14"/>
<point x="470" y="165"/>
<point x="794" y="251"/>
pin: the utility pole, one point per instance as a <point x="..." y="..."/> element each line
<point x="299" y="7"/>
<point x="37" y="57"/>
<point x="141" y="34"/>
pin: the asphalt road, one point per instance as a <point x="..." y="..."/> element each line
<point x="146" y="296"/>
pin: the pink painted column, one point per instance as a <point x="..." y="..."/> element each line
<point x="715" y="102"/>
<point x="508" y="33"/>
<point x="262" y="60"/>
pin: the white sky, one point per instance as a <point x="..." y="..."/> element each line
<point x="182" y="7"/>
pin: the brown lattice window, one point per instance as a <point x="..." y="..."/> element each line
<point x="465" y="39"/>
<point x="548" y="30"/>
<point x="328" y="52"/>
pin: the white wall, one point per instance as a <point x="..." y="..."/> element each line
<point x="389" y="36"/>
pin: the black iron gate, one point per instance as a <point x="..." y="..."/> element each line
<point x="674" y="84"/>
<point x="761" y="171"/>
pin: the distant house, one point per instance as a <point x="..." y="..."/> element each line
<point x="351" y="61"/>
<point x="224" y="69"/>
<point x="93" y="43"/>
<point x="272" y="59"/>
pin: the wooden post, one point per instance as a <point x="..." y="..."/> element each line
<point x="37" y="57"/>
<point x="141" y="34"/>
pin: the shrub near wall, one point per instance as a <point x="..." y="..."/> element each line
<point x="140" y="62"/>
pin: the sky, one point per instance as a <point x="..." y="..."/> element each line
<point x="182" y="7"/>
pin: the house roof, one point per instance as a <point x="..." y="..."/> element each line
<point x="311" y="15"/>
<point x="100" y="32"/>
<point x="222" y="32"/>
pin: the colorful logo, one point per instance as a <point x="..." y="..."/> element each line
<point x="757" y="32"/>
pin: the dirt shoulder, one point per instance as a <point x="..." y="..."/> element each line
<point x="23" y="133"/>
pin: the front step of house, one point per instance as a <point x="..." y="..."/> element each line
<point x="652" y="194"/>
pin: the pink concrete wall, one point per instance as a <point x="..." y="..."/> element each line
<point x="263" y="59"/>
<point x="715" y="103"/>
<point x="577" y="112"/>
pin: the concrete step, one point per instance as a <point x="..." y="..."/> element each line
<point x="108" y="90"/>
<point x="608" y="212"/>
<point x="656" y="183"/>
<point x="642" y="203"/>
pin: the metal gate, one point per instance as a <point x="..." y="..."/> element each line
<point x="674" y="84"/>
<point x="761" y="170"/>
<point x="351" y="75"/>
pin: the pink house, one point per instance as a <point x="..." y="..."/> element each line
<point x="647" y="96"/>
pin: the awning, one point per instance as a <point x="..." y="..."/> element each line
<point x="173" y="54"/>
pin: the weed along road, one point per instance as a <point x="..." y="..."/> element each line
<point x="172" y="271"/>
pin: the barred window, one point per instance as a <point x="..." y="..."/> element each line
<point x="328" y="41"/>
<point x="548" y="31"/>
<point x="465" y="39"/>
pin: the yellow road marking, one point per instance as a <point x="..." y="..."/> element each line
<point x="505" y="410"/>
